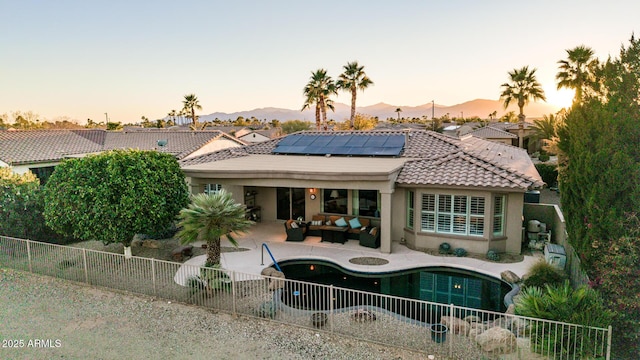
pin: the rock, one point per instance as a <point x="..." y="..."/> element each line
<point x="362" y="315"/>
<point x="497" y="340"/>
<point x="472" y="319"/>
<point x="455" y="325"/>
<point x="511" y="310"/>
<point x="501" y="322"/>
<point x="268" y="271"/>
<point x="510" y="277"/>
<point x="476" y="329"/>
<point x="519" y="327"/>
<point x="151" y="244"/>
<point x="275" y="282"/>
<point x="179" y="253"/>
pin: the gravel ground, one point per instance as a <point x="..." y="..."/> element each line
<point x="46" y="318"/>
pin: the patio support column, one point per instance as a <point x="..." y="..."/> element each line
<point x="385" y="222"/>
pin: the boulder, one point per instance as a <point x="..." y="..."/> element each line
<point x="455" y="325"/>
<point x="510" y="277"/>
<point x="151" y="244"/>
<point x="476" y="329"/>
<point x="472" y="319"/>
<point x="275" y="281"/>
<point x="519" y="327"/>
<point x="497" y="340"/>
<point x="511" y="310"/>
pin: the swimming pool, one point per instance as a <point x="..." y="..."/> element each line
<point x="445" y="285"/>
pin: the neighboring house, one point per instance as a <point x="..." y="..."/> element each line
<point x="524" y="132"/>
<point x="496" y="135"/>
<point x="41" y="150"/>
<point x="252" y="136"/>
<point x="420" y="187"/>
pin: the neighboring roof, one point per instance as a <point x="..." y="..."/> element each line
<point x="429" y="158"/>
<point x="37" y="146"/>
<point x="510" y="126"/>
<point x="489" y="132"/>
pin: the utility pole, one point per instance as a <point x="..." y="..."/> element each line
<point x="107" y="120"/>
<point x="433" y="109"/>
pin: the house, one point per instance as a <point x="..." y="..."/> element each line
<point x="524" y="134"/>
<point x="252" y="136"/>
<point x="41" y="150"/>
<point x="419" y="187"/>
<point x="494" y="134"/>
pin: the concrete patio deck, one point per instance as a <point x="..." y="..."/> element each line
<point x="401" y="257"/>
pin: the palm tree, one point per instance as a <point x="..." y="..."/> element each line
<point x="191" y="103"/>
<point x="172" y="114"/>
<point x="523" y="87"/>
<point x="353" y="79"/>
<point x="208" y="218"/>
<point x="576" y="72"/>
<point x="398" y="110"/>
<point x="318" y="90"/>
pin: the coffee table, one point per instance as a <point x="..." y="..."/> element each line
<point x="334" y="234"/>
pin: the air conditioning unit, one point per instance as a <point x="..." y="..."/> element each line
<point x="555" y="255"/>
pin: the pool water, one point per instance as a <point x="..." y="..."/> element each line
<point x="434" y="284"/>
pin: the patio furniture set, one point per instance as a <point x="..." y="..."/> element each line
<point x="335" y="229"/>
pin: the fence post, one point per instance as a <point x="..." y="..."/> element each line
<point x="84" y="261"/>
<point x="233" y="293"/>
<point x="450" y="337"/>
<point x="331" y="296"/>
<point x="153" y="276"/>
<point x="610" y="331"/>
<point x="29" y="254"/>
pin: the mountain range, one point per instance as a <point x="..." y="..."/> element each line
<point x="479" y="107"/>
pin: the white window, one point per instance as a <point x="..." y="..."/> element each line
<point x="498" y="215"/>
<point x="211" y="189"/>
<point x="453" y="214"/>
<point x="428" y="213"/>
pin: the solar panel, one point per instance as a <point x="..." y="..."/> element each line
<point x="355" y="144"/>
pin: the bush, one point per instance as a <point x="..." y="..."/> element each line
<point x="493" y="255"/>
<point x="548" y="172"/>
<point x="544" y="157"/>
<point x="445" y="248"/>
<point x="542" y="273"/>
<point x="460" y="252"/>
<point x="582" y="306"/>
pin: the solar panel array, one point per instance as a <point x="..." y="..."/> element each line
<point x="355" y="144"/>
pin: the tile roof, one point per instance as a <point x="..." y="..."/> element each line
<point x="489" y="132"/>
<point x="34" y="146"/>
<point x="432" y="159"/>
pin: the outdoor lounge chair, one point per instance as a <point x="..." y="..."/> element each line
<point x="295" y="231"/>
<point x="370" y="238"/>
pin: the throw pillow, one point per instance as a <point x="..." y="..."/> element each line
<point x="341" y="222"/>
<point x="355" y="223"/>
<point x="294" y="225"/>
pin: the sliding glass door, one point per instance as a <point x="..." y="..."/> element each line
<point x="290" y="203"/>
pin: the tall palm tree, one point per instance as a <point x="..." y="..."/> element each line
<point x="191" y="104"/>
<point x="398" y="110"/>
<point x="353" y="79"/>
<point x="576" y="72"/>
<point x="524" y="86"/>
<point x="172" y="114"/>
<point x="208" y="218"/>
<point x="318" y="90"/>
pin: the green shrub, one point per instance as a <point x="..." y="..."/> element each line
<point x="544" y="157"/>
<point x="493" y="255"/>
<point x="445" y="248"/>
<point x="582" y="306"/>
<point x="460" y="252"/>
<point x="542" y="273"/>
<point x="548" y="172"/>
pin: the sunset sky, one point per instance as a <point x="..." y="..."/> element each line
<point x="82" y="59"/>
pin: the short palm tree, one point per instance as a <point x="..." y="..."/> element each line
<point x="353" y="79"/>
<point x="191" y="104"/>
<point x="577" y="71"/>
<point x="318" y="90"/>
<point x="208" y="218"/>
<point x="524" y="86"/>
